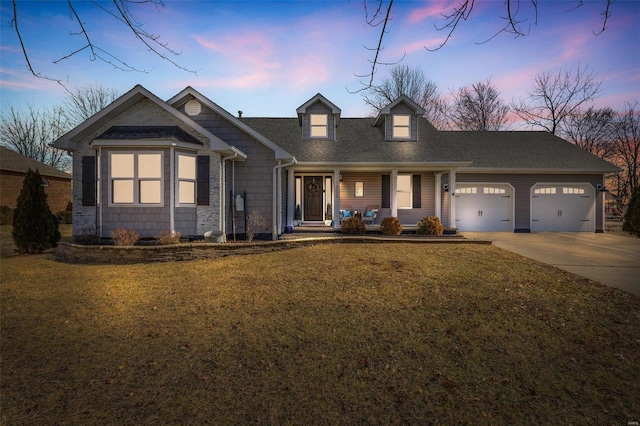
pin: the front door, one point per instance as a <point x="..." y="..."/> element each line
<point x="313" y="194"/>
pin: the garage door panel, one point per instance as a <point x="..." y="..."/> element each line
<point x="562" y="207"/>
<point x="484" y="207"/>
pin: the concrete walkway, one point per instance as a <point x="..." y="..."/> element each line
<point x="611" y="259"/>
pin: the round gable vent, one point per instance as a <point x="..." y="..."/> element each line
<point x="193" y="108"/>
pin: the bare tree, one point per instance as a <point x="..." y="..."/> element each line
<point x="591" y="130"/>
<point x="517" y="18"/>
<point x="555" y="97"/>
<point x="404" y="80"/>
<point x="31" y="132"/>
<point x="120" y="11"/>
<point x="83" y="102"/>
<point x="626" y="133"/>
<point x="478" y="107"/>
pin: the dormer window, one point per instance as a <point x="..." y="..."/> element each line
<point x="319" y="125"/>
<point x="401" y="126"/>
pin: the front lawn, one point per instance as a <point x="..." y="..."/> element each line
<point x="8" y="248"/>
<point x="328" y="334"/>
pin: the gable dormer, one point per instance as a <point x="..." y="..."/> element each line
<point x="398" y="121"/>
<point x="318" y="118"/>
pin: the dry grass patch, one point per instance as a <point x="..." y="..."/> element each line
<point x="353" y="333"/>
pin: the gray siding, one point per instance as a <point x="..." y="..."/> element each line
<point x="185" y="220"/>
<point x="253" y="176"/>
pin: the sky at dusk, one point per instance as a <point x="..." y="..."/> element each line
<point x="266" y="58"/>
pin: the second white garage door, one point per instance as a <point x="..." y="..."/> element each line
<point x="563" y="207"/>
<point x="484" y="207"/>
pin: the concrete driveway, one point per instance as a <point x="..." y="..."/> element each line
<point x="611" y="259"/>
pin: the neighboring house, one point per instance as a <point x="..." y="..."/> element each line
<point x="150" y="165"/>
<point x="13" y="169"/>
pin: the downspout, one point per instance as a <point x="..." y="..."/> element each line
<point x="99" y="192"/>
<point x="223" y="193"/>
<point x="172" y="189"/>
<point x="277" y="187"/>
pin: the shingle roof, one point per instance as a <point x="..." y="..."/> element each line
<point x="359" y="142"/>
<point x="149" y="132"/>
<point x="525" y="150"/>
<point x="15" y="162"/>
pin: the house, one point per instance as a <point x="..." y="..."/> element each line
<point x="13" y="169"/>
<point x="188" y="165"/>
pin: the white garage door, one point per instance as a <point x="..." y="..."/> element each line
<point x="563" y="207"/>
<point x="484" y="207"/>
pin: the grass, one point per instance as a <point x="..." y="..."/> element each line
<point x="348" y="334"/>
<point x="7" y="248"/>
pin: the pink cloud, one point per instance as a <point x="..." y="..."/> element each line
<point x="431" y="9"/>
<point x="308" y="71"/>
<point x="251" y="56"/>
<point x="21" y="80"/>
<point x="420" y="45"/>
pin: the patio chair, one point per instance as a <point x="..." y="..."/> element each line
<point x="369" y="215"/>
<point x="345" y="214"/>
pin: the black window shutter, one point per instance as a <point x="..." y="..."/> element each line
<point x="202" y="186"/>
<point x="417" y="191"/>
<point x="386" y="191"/>
<point x="88" y="180"/>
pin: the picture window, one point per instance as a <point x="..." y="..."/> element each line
<point x="136" y="178"/>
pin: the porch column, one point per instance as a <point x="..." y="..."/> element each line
<point x="438" y="192"/>
<point x="452" y="201"/>
<point x="394" y="192"/>
<point x="291" y="196"/>
<point x="336" y="199"/>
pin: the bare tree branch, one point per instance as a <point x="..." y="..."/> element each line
<point x="30" y="134"/>
<point x="554" y="98"/>
<point x="14" y="24"/>
<point x="124" y="15"/>
<point x="591" y="130"/>
<point x="626" y="134"/>
<point x="403" y="80"/>
<point x="605" y="18"/>
<point x="83" y="102"/>
<point x="479" y="107"/>
<point x="463" y="11"/>
<point x="372" y="22"/>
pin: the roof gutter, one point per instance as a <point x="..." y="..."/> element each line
<point x="277" y="189"/>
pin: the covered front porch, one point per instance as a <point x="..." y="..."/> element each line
<point x="316" y="196"/>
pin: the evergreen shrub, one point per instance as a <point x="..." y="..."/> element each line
<point x="64" y="217"/>
<point x="35" y="228"/>
<point x="6" y="215"/>
<point x="631" y="221"/>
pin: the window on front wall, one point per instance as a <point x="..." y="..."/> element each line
<point x="186" y="179"/>
<point x="319" y="123"/>
<point x="401" y="126"/>
<point x="404" y="192"/>
<point x="136" y="178"/>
